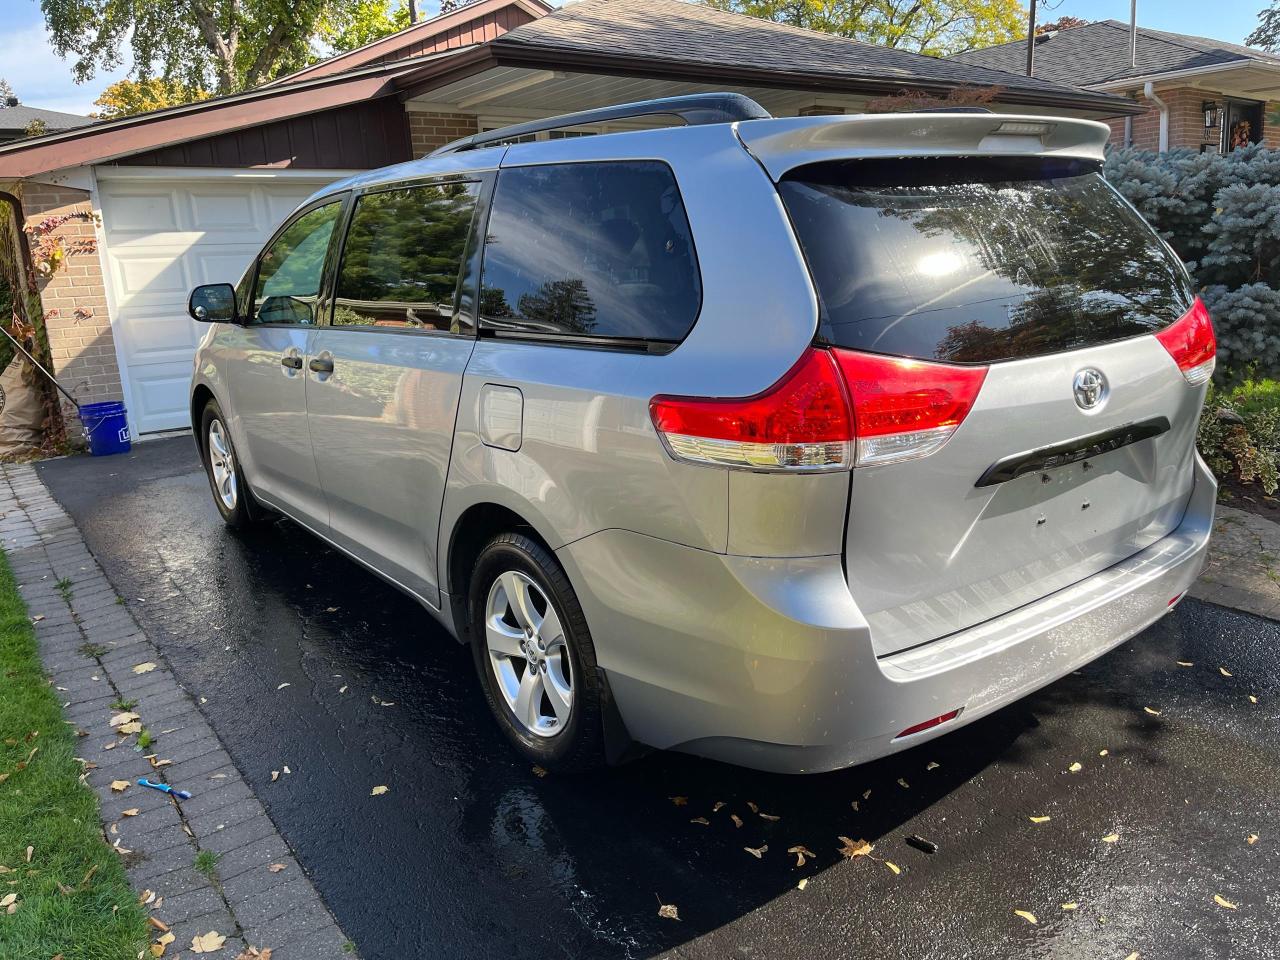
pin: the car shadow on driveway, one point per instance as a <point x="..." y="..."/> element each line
<point x="305" y="661"/>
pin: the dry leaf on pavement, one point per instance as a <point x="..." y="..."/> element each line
<point x="276" y="867"/>
<point x="539" y="772"/>
<point x="210" y="942"/>
<point x="158" y="924"/>
<point x="893" y="866"/>
<point x="282" y="686"/>
<point x="275" y="775"/>
<point x="131" y="812"/>
<point x="1251" y="839"/>
<point x="804" y="882"/>
<point x="1111" y="838"/>
<point x="379" y="790"/>
<point x="253" y="953"/>
<point x="1071" y="906"/>
<point x="1076" y="767"/>
<point x="120" y="718"/>
<point x="119" y="785"/>
<point x="854" y="848"/>
<point x="757" y="852"/>
<point x="668" y="911"/>
<point x="1185" y="663"/>
<point x="133" y="726"/>
<point x="144" y="667"/>
<point x="737" y="820"/>
<point x="702" y="820"/>
<point x="1038" y="819"/>
<point x="1026" y="915"/>
<point x="1222" y="902"/>
<point x="679" y="801"/>
<point x="1152" y="711"/>
<point x="1224" y="671"/>
<point x="802" y="853"/>
<point x="719" y="805"/>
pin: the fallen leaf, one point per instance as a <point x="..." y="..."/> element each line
<point x="253" y="953"/>
<point x="893" y="866"/>
<point x="31" y="852"/>
<point x="1026" y="915"/>
<point x="1103" y="753"/>
<point x="119" y="786"/>
<point x="679" y="801"/>
<point x="1038" y="819"/>
<point x="804" y="882"/>
<point x="1224" y="671"/>
<point x="1111" y="838"/>
<point x="1070" y="906"/>
<point x="37" y="618"/>
<point x="379" y="790"/>
<point x="133" y="726"/>
<point x="343" y="688"/>
<point x="282" y="686"/>
<point x="667" y="911"/>
<point x="7" y="899"/>
<point x="1132" y="956"/>
<point x="854" y="804"/>
<point x="1251" y="839"/>
<point x="770" y="817"/>
<point x="131" y="812"/>
<point x="757" y="852"/>
<point x="276" y="867"/>
<point x="1252" y="698"/>
<point x="931" y="765"/>
<point x="752" y="807"/>
<point x="1076" y="767"/>
<point x="210" y="942"/>
<point x="854" y="848"/>
<point x="1185" y="663"/>
<point x="120" y="718"/>
<point x="157" y="764"/>
<point x="903" y="784"/>
<point x="802" y="853"/>
<point x="719" y="805"/>
<point x="158" y="924"/>
<point x="275" y="775"/>
<point x="146" y="896"/>
<point x="1152" y="711"/>
<point x="144" y="667"/>
<point x="702" y="820"/>
<point x="737" y="820"/>
<point x="539" y="772"/>
<point x="1222" y="902"/>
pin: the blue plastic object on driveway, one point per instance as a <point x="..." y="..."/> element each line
<point x="106" y="427"/>
<point x="164" y="788"/>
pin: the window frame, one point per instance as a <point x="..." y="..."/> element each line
<point x="611" y="344"/>
<point x="467" y="272"/>
<point x="326" y="271"/>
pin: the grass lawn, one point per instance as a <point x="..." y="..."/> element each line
<point x="44" y="807"/>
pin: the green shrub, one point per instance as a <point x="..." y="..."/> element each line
<point x="1239" y="435"/>
<point x="1221" y="215"/>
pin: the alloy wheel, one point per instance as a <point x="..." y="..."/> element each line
<point x="529" y="654"/>
<point x="222" y="461"/>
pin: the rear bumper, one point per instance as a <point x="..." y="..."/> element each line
<point x="769" y="664"/>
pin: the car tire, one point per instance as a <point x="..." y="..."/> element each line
<point x="518" y="587"/>
<point x="231" y="493"/>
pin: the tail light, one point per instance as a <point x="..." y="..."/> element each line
<point x="1191" y="343"/>
<point x="895" y="409"/>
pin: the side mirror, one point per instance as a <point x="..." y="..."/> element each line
<point x="213" y="303"/>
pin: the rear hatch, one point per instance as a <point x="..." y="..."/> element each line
<point x="1077" y="451"/>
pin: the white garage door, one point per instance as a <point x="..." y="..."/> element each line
<point x="167" y="232"/>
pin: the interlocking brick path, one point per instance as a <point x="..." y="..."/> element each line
<point x="90" y="645"/>
<point x="1243" y="570"/>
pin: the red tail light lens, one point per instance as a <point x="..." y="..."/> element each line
<point x="800" y="423"/>
<point x="1191" y="343"/>
<point x="929" y="724"/>
<point x="903" y="409"/>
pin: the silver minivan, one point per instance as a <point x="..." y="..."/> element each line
<point x="791" y="442"/>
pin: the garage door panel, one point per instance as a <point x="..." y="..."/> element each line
<point x="165" y="236"/>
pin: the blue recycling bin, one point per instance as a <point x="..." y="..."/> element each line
<point x="106" y="427"/>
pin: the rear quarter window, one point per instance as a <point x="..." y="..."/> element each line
<point x="975" y="261"/>
<point x="594" y="251"/>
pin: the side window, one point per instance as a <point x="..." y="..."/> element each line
<point x="403" y="256"/>
<point x="290" y="270"/>
<point x="590" y="250"/>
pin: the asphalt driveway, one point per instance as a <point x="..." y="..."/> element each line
<point x="306" y="661"/>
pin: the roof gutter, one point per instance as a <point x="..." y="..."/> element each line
<point x="1128" y="83"/>
<point x="1149" y="91"/>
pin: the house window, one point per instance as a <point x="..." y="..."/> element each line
<point x="1242" y="125"/>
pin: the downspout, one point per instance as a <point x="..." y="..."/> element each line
<point x="1149" y="91"/>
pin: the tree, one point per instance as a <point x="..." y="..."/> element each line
<point x="124" y="98"/>
<point x="934" y="27"/>
<point x="360" y="23"/>
<point x="1062" y="23"/>
<point x="6" y="93"/>
<point x="1267" y="34"/>
<point x="223" y="45"/>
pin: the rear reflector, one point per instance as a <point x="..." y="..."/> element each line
<point x="929" y="724"/>
<point x="904" y="409"/>
<point x="802" y="422"/>
<point x="897" y="409"/>
<point x="1191" y="343"/>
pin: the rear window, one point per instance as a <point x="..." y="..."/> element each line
<point x="590" y="250"/>
<point x="974" y="261"/>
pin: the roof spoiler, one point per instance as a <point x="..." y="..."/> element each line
<point x="695" y="110"/>
<point x="786" y="143"/>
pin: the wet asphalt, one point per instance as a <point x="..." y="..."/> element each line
<point x="471" y="855"/>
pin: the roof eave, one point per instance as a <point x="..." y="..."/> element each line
<point x="498" y="53"/>
<point x="1124" y="83"/>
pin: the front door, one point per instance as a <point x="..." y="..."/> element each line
<point x="384" y="377"/>
<point x="268" y="375"/>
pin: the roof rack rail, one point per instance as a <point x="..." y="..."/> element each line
<point x="695" y="110"/>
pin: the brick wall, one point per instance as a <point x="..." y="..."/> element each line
<point x="430" y="130"/>
<point x="1186" y="122"/>
<point x="84" y="356"/>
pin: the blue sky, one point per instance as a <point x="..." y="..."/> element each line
<point x="41" y="79"/>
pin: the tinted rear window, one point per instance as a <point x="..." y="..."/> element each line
<point x="977" y="261"/>
<point x="596" y="250"/>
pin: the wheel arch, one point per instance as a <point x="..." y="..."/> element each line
<point x="201" y="396"/>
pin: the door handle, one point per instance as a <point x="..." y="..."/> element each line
<point x="320" y="365"/>
<point x="292" y="362"/>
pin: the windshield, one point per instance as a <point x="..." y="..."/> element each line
<point x="974" y="261"/>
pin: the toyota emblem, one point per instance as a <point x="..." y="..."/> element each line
<point x="1090" y="388"/>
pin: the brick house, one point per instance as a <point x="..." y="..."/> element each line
<point x="1194" y="92"/>
<point x="187" y="195"/>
